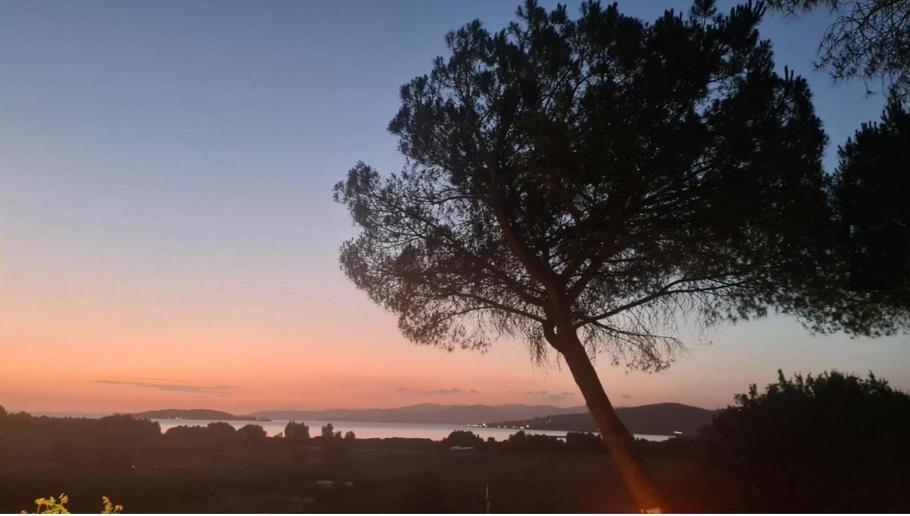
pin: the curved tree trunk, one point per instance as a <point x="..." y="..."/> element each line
<point x="615" y="435"/>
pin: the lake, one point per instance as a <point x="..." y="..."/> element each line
<point x="381" y="430"/>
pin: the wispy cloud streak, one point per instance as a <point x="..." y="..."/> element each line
<point x="179" y="386"/>
<point x="442" y="391"/>
<point x="551" y="396"/>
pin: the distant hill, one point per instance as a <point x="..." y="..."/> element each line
<point x="658" y="419"/>
<point x="194" y="414"/>
<point x="426" y="413"/>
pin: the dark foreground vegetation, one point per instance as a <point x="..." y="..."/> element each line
<point x="833" y="443"/>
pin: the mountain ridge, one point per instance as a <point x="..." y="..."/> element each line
<point x="657" y="419"/>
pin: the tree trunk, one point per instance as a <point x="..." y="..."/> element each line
<point x="618" y="440"/>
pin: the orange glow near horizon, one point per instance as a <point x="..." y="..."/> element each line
<point x="69" y="351"/>
<point x="102" y="358"/>
<point x="76" y="339"/>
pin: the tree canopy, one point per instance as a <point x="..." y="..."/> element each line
<point x="605" y="171"/>
<point x="296" y="431"/>
<point x="871" y="191"/>
<point x="861" y="283"/>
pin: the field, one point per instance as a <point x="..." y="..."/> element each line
<point x="204" y="472"/>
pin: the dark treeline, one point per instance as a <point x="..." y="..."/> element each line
<point x="220" y="468"/>
<point x="831" y="443"/>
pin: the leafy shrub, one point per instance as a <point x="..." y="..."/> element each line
<point x="51" y="505"/>
<point x="220" y="429"/>
<point x="252" y="433"/>
<point x="831" y="443"/>
<point x="463" y="438"/>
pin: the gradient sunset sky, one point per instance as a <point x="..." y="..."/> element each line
<point x="168" y="238"/>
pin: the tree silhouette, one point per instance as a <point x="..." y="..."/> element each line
<point x="868" y="39"/>
<point x="328" y="431"/>
<point x="586" y="184"/>
<point x="297" y="431"/>
<point x="871" y="188"/>
<point x="220" y="429"/>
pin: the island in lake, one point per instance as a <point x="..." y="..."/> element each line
<point x="656" y="419"/>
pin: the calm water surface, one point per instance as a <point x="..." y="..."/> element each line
<point x="373" y="429"/>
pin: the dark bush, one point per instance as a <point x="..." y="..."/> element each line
<point x="296" y="431"/>
<point x="831" y="443"/>
<point x="584" y="441"/>
<point x="252" y="433"/>
<point x="463" y="438"/>
<point x="522" y="441"/>
<point x="219" y="429"/>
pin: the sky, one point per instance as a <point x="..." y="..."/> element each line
<point x="168" y="238"/>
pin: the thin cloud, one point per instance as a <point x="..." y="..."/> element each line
<point x="451" y="390"/>
<point x="180" y="386"/>
<point x="550" y="396"/>
<point x="442" y="391"/>
<point x="627" y="396"/>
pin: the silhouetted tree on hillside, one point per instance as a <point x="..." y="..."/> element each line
<point x="328" y="431"/>
<point x="585" y="184"/>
